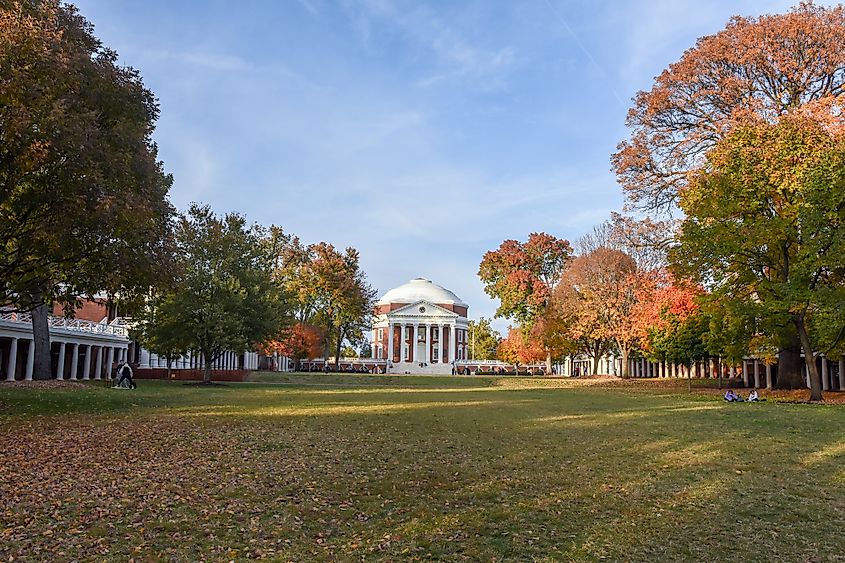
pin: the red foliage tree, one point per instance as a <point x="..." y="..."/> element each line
<point x="299" y="342"/>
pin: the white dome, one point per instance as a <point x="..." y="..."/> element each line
<point x="421" y="289"/>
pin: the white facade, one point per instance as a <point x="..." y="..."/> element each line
<point x="420" y="327"/>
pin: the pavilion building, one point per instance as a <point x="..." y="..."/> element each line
<point x="420" y="327"/>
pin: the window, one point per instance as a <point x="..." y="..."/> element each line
<point x="405" y="356"/>
<point x="435" y="334"/>
<point x="421" y="333"/>
<point x="381" y="334"/>
<point x="407" y="333"/>
<point x="434" y="355"/>
<point x="379" y="352"/>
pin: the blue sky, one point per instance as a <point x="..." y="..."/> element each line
<point x="421" y="133"/>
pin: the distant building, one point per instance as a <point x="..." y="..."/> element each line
<point x="420" y="327"/>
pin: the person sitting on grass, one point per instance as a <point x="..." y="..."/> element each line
<point x="732" y="397"/>
<point x="753" y="395"/>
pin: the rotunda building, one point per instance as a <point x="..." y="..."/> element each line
<point x="420" y="327"/>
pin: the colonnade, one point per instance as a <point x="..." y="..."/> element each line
<point x="97" y="360"/>
<point x="226" y="361"/>
<point x="754" y="372"/>
<point x="408" y="346"/>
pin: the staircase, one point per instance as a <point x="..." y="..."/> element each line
<point x="415" y="369"/>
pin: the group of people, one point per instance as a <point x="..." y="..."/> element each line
<point x="732" y="397"/>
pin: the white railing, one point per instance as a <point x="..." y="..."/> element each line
<point x="76" y="325"/>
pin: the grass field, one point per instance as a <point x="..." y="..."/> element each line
<point x="420" y="468"/>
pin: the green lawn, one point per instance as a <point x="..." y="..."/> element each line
<point x="355" y="467"/>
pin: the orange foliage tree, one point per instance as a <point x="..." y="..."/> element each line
<point x="522" y="276"/>
<point x="763" y="67"/>
<point x="596" y="300"/>
<point x="519" y="347"/>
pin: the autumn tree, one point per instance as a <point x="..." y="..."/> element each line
<point x="225" y="298"/>
<point x="765" y="228"/>
<point x="764" y="68"/>
<point x="519" y="348"/>
<point x="671" y="323"/>
<point x="298" y="342"/>
<point x="522" y="277"/>
<point x="483" y="339"/>
<point x="83" y="203"/>
<point x="598" y="293"/>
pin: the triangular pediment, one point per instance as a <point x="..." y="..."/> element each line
<point x="430" y="310"/>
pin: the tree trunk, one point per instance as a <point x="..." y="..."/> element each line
<point x="42" y="368"/>
<point x="809" y="359"/>
<point x="548" y="362"/>
<point x="689" y="379"/>
<point x="626" y="373"/>
<point x="206" y="374"/>
<point x="789" y="362"/>
<point x="719" y="369"/>
<point x="337" y="348"/>
<point x="328" y="342"/>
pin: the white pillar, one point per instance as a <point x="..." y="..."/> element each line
<point x="768" y="376"/>
<point x="825" y="373"/>
<point x="453" y="343"/>
<point x="98" y="371"/>
<point x="427" y="352"/>
<point x="60" y="367"/>
<point x="441" y="334"/>
<point x="74" y="361"/>
<point x="86" y="366"/>
<point x="756" y="374"/>
<point x="842" y="374"/>
<point x="30" y="360"/>
<point x="389" y="355"/>
<point x="12" y="366"/>
<point x="109" y="361"/>
<point x="413" y="346"/>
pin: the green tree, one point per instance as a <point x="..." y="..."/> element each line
<point x="681" y="340"/>
<point x="765" y="229"/>
<point x="483" y="340"/>
<point x="225" y="298"/>
<point x="83" y="203"/>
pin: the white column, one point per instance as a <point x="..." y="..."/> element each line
<point x="756" y="374"/>
<point x="74" y="361"/>
<point x="825" y="373"/>
<point x="109" y="361"/>
<point x="453" y="344"/>
<point x="30" y="360"/>
<point x="12" y="366"/>
<point x="427" y="353"/>
<point x="389" y="355"/>
<point x="60" y="368"/>
<point x="768" y="376"/>
<point x="413" y="346"/>
<point x="86" y="366"/>
<point x="441" y="334"/>
<point x="842" y="374"/>
<point x="98" y="371"/>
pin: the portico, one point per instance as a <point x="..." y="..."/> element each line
<point x="420" y="327"/>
